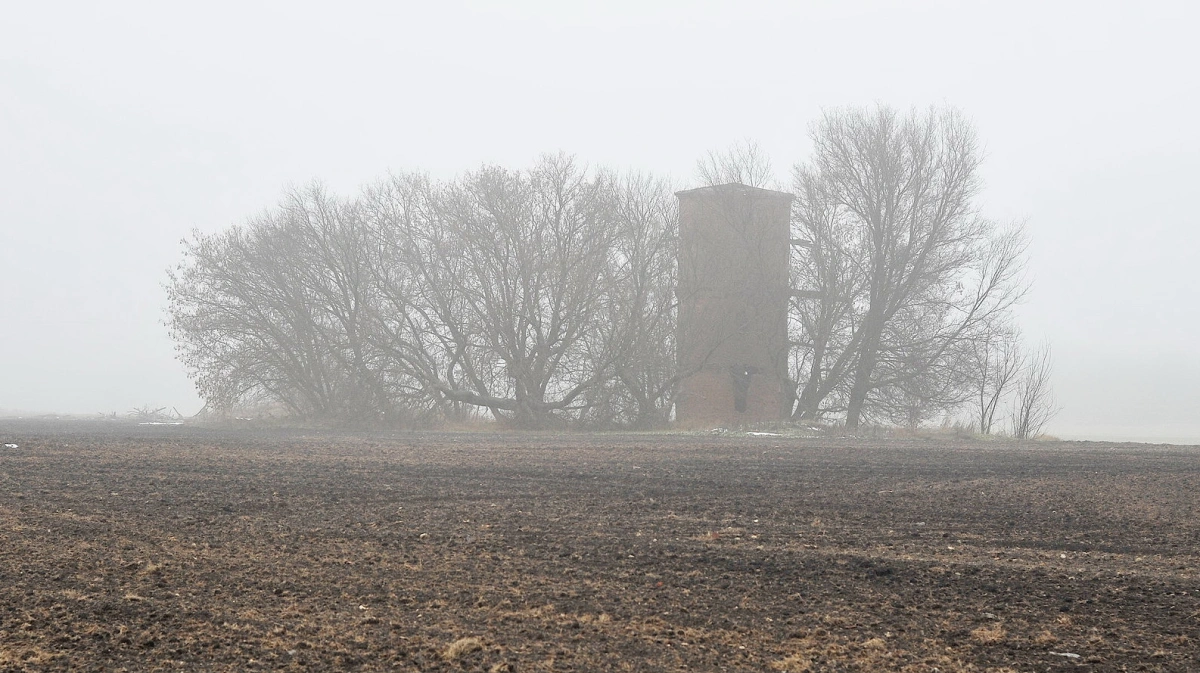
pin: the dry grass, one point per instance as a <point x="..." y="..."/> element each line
<point x="28" y="658"/>
<point x="874" y="654"/>
<point x="797" y="663"/>
<point x="875" y="644"/>
<point x="74" y="595"/>
<point x="1045" y="638"/>
<point x="461" y="647"/>
<point x="989" y="635"/>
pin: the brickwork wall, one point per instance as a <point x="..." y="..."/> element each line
<point x="733" y="293"/>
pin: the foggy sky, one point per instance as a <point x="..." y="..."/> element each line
<point x="124" y="127"/>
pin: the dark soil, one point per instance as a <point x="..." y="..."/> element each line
<point x="167" y="548"/>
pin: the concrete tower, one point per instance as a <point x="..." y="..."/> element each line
<point x="734" y="244"/>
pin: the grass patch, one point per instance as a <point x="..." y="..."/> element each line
<point x="989" y="635"/>
<point x="461" y="647"/>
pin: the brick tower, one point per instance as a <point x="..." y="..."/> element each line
<point x="734" y="244"/>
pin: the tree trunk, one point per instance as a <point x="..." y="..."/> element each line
<point x="809" y="401"/>
<point x="858" y="396"/>
<point x="862" y="377"/>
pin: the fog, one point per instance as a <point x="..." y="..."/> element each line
<point x="124" y="128"/>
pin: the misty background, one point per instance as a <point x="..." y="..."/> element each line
<point x="122" y="128"/>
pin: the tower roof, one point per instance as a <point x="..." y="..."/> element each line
<point x="734" y="188"/>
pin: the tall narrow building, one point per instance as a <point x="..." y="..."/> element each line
<point x="734" y="244"/>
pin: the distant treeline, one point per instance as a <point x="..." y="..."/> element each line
<point x="546" y="297"/>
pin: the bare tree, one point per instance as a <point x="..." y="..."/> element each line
<point x="744" y="163"/>
<point x="337" y="269"/>
<point x="1033" y="401"/>
<point x="538" y="295"/>
<point x="908" y="270"/>
<point x="822" y="312"/>
<point x="640" y="315"/>
<point x="271" y="311"/>
<point x="997" y="361"/>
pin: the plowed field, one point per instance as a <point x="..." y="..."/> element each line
<point x="181" y="548"/>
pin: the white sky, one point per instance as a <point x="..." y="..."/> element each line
<point x="125" y="125"/>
